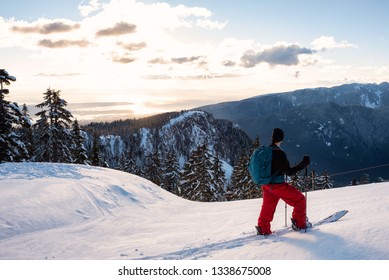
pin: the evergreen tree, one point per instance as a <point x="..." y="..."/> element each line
<point x="11" y="118"/>
<point x="241" y="182"/>
<point x="242" y="186"/>
<point x="187" y="176"/>
<point x="171" y="176"/>
<point x="42" y="138"/>
<point x="202" y="189"/>
<point x="219" y="178"/>
<point x="256" y="143"/>
<point x="233" y="191"/>
<point x="325" y="182"/>
<point x="298" y="181"/>
<point x="55" y="119"/>
<point x="311" y="182"/>
<point x="365" y="179"/>
<point x="27" y="133"/>
<point x="206" y="189"/>
<point x="153" y="169"/>
<point x="128" y="163"/>
<point x="79" y="152"/>
<point x="95" y="156"/>
<point x="252" y="190"/>
<point x="197" y="180"/>
<point x="380" y="180"/>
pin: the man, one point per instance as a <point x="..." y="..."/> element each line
<point x="278" y="189"/>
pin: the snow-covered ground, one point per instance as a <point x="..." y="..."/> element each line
<point x="60" y="211"/>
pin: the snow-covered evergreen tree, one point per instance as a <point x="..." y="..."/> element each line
<point x="187" y="176"/>
<point x="365" y="179"/>
<point x="153" y="169"/>
<point x="171" y="177"/>
<point x="79" y="152"/>
<point x="241" y="182"/>
<point x="195" y="176"/>
<point x="197" y="180"/>
<point x="298" y="181"/>
<point x="128" y="163"/>
<point x="219" y="178"/>
<point x="242" y="186"/>
<point x="42" y="138"/>
<point x="95" y="153"/>
<point x="53" y="129"/>
<point x="26" y="133"/>
<point x="380" y="180"/>
<point x="256" y="143"/>
<point x="324" y="181"/>
<point x="11" y="118"/>
<point x="311" y="182"/>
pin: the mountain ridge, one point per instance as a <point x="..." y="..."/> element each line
<point x="342" y="128"/>
<point x="178" y="132"/>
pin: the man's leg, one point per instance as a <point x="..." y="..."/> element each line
<point x="292" y="196"/>
<point x="269" y="205"/>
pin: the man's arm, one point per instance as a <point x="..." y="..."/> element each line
<point x="281" y="164"/>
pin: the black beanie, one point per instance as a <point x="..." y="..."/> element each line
<point x="277" y="136"/>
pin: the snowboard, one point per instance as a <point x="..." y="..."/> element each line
<point x="330" y="219"/>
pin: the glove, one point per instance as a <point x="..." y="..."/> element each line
<point x="305" y="162"/>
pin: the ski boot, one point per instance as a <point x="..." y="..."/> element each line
<point x="308" y="224"/>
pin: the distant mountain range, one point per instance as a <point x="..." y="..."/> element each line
<point x="342" y="128"/>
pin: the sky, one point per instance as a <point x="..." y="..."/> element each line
<point x="115" y="59"/>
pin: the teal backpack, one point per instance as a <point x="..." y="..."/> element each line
<point x="260" y="165"/>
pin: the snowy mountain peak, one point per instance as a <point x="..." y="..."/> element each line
<point x="180" y="133"/>
<point x="182" y="117"/>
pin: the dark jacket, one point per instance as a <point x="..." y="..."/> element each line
<point x="280" y="165"/>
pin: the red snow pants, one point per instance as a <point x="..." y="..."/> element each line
<point x="272" y="193"/>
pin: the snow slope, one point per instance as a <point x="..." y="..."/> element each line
<point x="59" y="211"/>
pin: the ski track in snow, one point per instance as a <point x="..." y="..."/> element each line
<point x="208" y="249"/>
<point x="205" y="250"/>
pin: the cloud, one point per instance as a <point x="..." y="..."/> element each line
<point x="101" y="111"/>
<point x="278" y="55"/>
<point x="209" y="24"/>
<point x="158" y="60"/>
<point x="47" y="43"/>
<point x="177" y="60"/>
<point x="57" y="75"/>
<point x="91" y="7"/>
<point x="324" y="43"/>
<point x="181" y="60"/>
<point x="205" y="76"/>
<point x="123" y="59"/>
<point x="133" y="46"/>
<point x="100" y="105"/>
<point x="228" y="63"/>
<point x="48" y="28"/>
<point x="119" y="29"/>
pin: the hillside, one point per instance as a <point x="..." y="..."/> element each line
<point x="342" y="128"/>
<point x="178" y="132"/>
<point x="62" y="211"/>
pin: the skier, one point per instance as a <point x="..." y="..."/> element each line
<point x="279" y="189"/>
